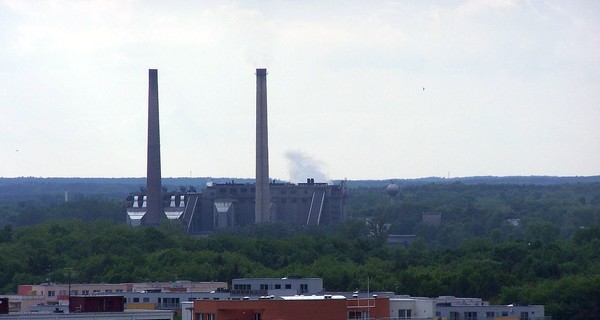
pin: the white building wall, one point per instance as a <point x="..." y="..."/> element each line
<point x="420" y="308"/>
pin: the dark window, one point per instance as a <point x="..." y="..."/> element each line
<point x="405" y="313"/>
<point x="304" y="288"/>
<point x="470" y="315"/>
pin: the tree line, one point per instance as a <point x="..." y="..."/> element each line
<point x="563" y="274"/>
<point x="550" y="258"/>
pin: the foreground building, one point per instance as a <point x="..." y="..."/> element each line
<point x="49" y="296"/>
<point x="287" y="298"/>
<point x="324" y="307"/>
<point x="107" y="307"/>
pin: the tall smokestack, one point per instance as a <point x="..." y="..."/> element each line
<point x="154" y="207"/>
<point x="262" y="209"/>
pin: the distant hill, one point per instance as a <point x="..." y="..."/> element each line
<point x="49" y="190"/>
<point x="52" y="190"/>
<point x="512" y="180"/>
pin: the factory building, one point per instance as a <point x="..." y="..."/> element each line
<point x="233" y="204"/>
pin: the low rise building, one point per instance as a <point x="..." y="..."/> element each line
<point x="453" y="308"/>
<point x="323" y="307"/>
<point x="276" y="286"/>
<point x="54" y="295"/>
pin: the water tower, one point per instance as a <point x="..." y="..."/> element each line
<point x="392" y="190"/>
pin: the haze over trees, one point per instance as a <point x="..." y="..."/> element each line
<point x="551" y="257"/>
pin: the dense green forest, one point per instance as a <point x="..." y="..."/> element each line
<point x="551" y="257"/>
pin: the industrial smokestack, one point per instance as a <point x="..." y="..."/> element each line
<point x="262" y="209"/>
<point x="154" y="207"/>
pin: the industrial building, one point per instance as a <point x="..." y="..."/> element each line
<point x="233" y="204"/>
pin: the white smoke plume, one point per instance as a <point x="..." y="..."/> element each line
<point x="301" y="166"/>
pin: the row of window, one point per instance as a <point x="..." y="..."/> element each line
<point x="264" y="286"/>
<point x="245" y="190"/>
<point x="166" y="301"/>
<point x="52" y="293"/>
<point x="206" y="316"/>
<point x="472" y="315"/>
<point x="359" y="315"/>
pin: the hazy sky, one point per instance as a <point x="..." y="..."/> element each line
<point x="356" y="89"/>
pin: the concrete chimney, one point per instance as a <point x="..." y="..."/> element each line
<point x="262" y="209"/>
<point x="154" y="209"/>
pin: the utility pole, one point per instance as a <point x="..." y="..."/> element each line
<point x="69" y="270"/>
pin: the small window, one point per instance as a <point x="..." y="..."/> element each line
<point x="470" y="315"/>
<point x="136" y="299"/>
<point x="303" y="288"/>
<point x="277" y="286"/>
<point x="146" y="299"/>
<point x="405" y="313"/>
<point x="288" y="286"/>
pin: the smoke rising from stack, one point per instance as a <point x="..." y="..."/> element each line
<point x="301" y="166"/>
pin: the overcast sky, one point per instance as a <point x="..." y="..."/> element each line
<point x="356" y="89"/>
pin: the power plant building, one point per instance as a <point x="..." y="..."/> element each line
<point x="234" y="204"/>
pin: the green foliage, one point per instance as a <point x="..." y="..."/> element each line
<point x="551" y="258"/>
<point x="546" y="213"/>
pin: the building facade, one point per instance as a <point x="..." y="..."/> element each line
<point x="233" y="204"/>
<point x="292" y="308"/>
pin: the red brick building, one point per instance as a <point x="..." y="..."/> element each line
<point x="293" y="308"/>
